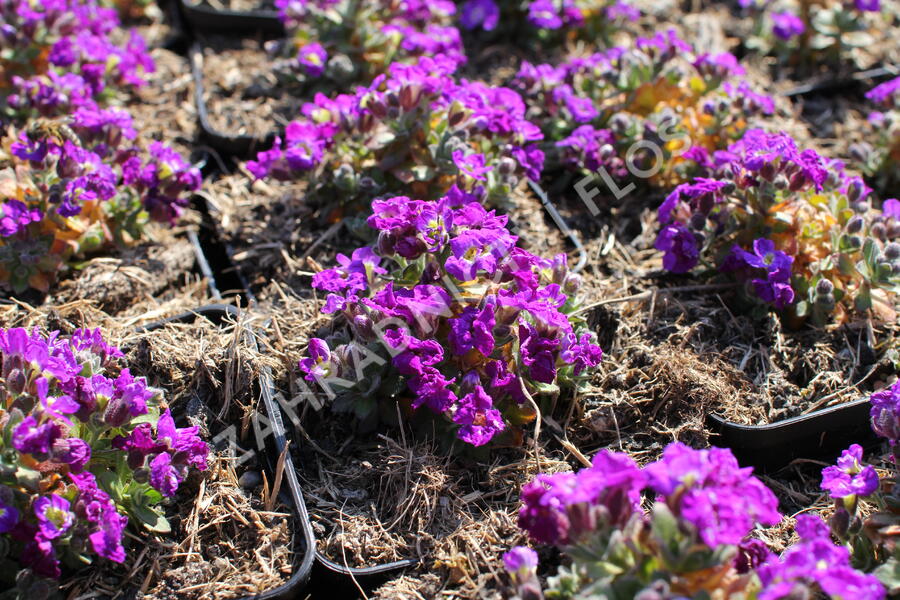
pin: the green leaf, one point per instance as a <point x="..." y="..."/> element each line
<point x="150" y="519"/>
<point x="889" y="575"/>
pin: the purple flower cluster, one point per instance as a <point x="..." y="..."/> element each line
<point x="596" y="108"/>
<point x="84" y="186"/>
<point x="66" y="405"/>
<point x="472" y="323"/>
<point x="877" y="155"/>
<point x="694" y="536"/>
<point x="782" y="219"/>
<point x="706" y="489"/>
<point x="61" y="55"/>
<point x="419" y="127"/>
<point x="547" y="14"/>
<point x="885" y="413"/>
<point x="351" y="42"/>
<point x="815" y="564"/>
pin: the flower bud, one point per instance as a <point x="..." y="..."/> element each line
<point x="892" y="251"/>
<point x="855" y="224"/>
<point x="879" y="231"/>
<point x="16" y="381"/>
<point x="507" y="166"/>
<point x="840" y="522"/>
<point x="824" y="287"/>
<point x="855" y="190"/>
<point x="861" y="152"/>
<point x="572" y="283"/>
<point x="768" y="172"/>
<point x="854" y="241"/>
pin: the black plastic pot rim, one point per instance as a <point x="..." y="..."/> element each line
<point x="206" y="19"/>
<point x="218" y="313"/>
<point x="825" y="431"/>
<point x="237" y="146"/>
<point x="836" y="84"/>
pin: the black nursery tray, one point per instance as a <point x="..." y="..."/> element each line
<point x="226" y="144"/>
<point x="274" y="447"/>
<point x="820" y="434"/>
<point x="206" y="19"/>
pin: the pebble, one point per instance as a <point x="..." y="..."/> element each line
<point x="250" y="480"/>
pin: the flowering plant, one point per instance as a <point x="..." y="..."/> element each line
<point x="880" y="160"/>
<point x="85" y="446"/>
<point x="350" y="42"/>
<point x="814" y="31"/>
<point x="866" y="513"/>
<point x="589" y="19"/>
<point x="69" y="190"/>
<point x="795" y="227"/>
<point x="415" y="130"/>
<point x="652" y="108"/>
<point x="446" y="312"/>
<point x="61" y="55"/>
<point x="692" y="543"/>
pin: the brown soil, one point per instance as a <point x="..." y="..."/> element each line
<point x="242" y="93"/>
<point x="161" y="264"/>
<point x="163" y="109"/>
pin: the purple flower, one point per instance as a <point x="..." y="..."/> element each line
<point x="40" y="556"/>
<point x="562" y="508"/>
<point x="483" y="13"/>
<point x="581" y="352"/>
<point x="16" y="217"/>
<point x="54" y="516"/>
<point x="107" y="525"/>
<point x="318" y="365"/>
<point x="313" y="57"/>
<point x="891" y="208"/>
<point x="680" y="247"/>
<point x="473" y="329"/>
<point x="787" y="25"/>
<point x="479" y="419"/>
<point x="867" y="5"/>
<point x="163" y="476"/>
<point x="885" y="412"/>
<point x="521" y="563"/>
<point x="75" y="452"/>
<point x="751" y="554"/>
<point x="775" y="287"/>
<point x="542" y="13"/>
<point x="885" y="94"/>
<point x="9" y="516"/>
<point x="709" y="490"/>
<point x="538" y="353"/>
<point x="849" y="477"/>
<point x="471" y="164"/>
<point x="816" y="563"/>
<point x="30" y="437"/>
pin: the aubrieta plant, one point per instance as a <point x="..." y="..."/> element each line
<point x="866" y="515"/>
<point x="73" y="187"/>
<point x="650" y="110"/>
<point x="62" y="55"/>
<point x="880" y="159"/>
<point x="807" y="33"/>
<point x="586" y="19"/>
<point x="446" y="316"/>
<point x="350" y="42"/>
<point x="417" y="131"/>
<point x="801" y="233"/>
<point x="692" y="543"/>
<point x="84" y="447"/>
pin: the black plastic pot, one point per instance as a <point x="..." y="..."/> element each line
<point x="227" y="145"/>
<point x="820" y="434"/>
<point x="206" y="19"/>
<point x="834" y="85"/>
<point x="275" y="446"/>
